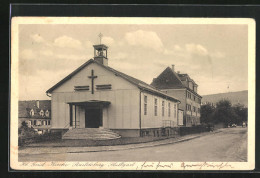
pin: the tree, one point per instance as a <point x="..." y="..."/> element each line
<point x="224" y="113"/>
<point x="25" y="131"/>
<point x="206" y="113"/>
<point x="241" y="113"/>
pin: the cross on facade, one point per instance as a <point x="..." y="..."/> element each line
<point x="92" y="80"/>
<point x="100" y="36"/>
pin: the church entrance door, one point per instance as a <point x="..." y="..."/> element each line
<point x="93" y="117"/>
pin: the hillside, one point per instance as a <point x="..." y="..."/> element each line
<point x="235" y="97"/>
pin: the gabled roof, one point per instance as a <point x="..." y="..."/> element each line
<point x="24" y="107"/>
<point x="140" y="84"/>
<point x="169" y="79"/>
<point x="185" y="77"/>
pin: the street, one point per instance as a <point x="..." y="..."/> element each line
<point x="229" y="145"/>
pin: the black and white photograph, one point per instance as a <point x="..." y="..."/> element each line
<point x="107" y="93"/>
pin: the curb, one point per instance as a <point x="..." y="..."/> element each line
<point x="107" y="148"/>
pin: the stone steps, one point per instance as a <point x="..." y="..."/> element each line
<point x="91" y="134"/>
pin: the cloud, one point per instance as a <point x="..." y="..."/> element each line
<point x="67" y="42"/>
<point x="37" y="38"/>
<point x="88" y="44"/>
<point x="119" y="56"/>
<point x="46" y="53"/>
<point x="147" y="39"/>
<point x="108" y="40"/>
<point x="71" y="56"/>
<point x="27" y="54"/>
<point x="196" y="49"/>
<point x="218" y="54"/>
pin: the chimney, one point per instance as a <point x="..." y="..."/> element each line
<point x="38" y="104"/>
<point x="173" y="67"/>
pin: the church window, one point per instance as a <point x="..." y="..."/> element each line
<point x="163" y="108"/>
<point x="103" y="87"/>
<point x="81" y="88"/>
<point x="145" y="105"/>
<point x="155" y="106"/>
<point x="169" y="109"/>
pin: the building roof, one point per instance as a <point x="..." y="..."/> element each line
<point x="140" y="84"/>
<point x="24" y="107"/>
<point x="185" y="77"/>
<point x="169" y="79"/>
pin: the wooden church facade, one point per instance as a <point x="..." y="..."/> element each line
<point x="97" y="96"/>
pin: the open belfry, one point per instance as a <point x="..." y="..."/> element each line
<point x="98" y="102"/>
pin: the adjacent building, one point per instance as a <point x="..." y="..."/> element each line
<point x="36" y="113"/>
<point x="183" y="88"/>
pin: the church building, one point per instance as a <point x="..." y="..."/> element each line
<point x="98" y="97"/>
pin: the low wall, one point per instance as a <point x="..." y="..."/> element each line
<point x="193" y="129"/>
<point x="127" y="132"/>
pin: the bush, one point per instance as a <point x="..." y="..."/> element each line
<point x="29" y="135"/>
<point x="25" y="131"/>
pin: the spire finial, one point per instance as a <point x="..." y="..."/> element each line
<point x="100" y="37"/>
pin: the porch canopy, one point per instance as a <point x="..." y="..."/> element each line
<point x="93" y="112"/>
<point x="90" y="103"/>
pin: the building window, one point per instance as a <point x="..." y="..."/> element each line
<point x="188" y="107"/>
<point x="198" y="110"/>
<point x="29" y="123"/>
<point x="194" y="97"/>
<point x="194" y="109"/>
<point x="163" y="108"/>
<point x="41" y="113"/>
<point x="47" y="114"/>
<point x="169" y="109"/>
<point x="155" y="106"/>
<point x="145" y="105"/>
<point x="175" y="111"/>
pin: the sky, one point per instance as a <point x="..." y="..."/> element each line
<point x="214" y="56"/>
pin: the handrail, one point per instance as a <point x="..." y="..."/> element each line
<point x="66" y="125"/>
<point x="167" y="123"/>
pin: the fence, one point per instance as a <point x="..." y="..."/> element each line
<point x="194" y="129"/>
<point x="167" y="123"/>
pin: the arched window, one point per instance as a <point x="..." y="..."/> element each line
<point x="32" y="112"/>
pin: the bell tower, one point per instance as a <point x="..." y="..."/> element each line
<point x="100" y="52"/>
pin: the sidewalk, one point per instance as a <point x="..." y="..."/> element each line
<point x="56" y="150"/>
